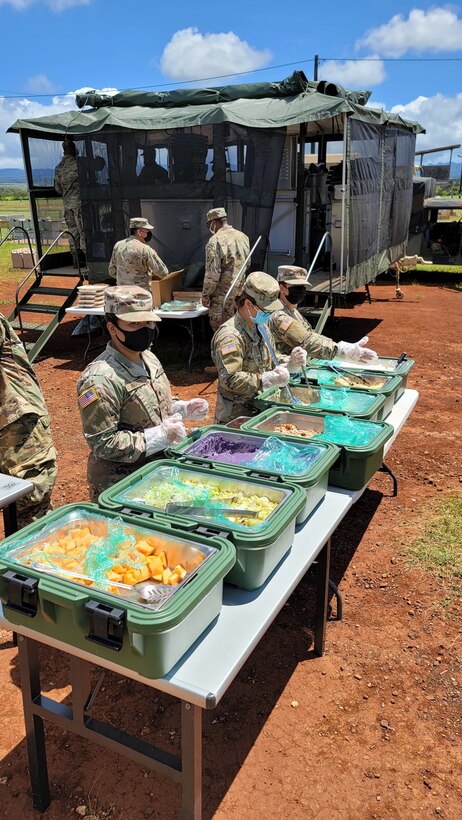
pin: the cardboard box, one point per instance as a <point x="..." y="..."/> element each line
<point x="162" y="289"/>
<point x="22" y="258"/>
<point x="187" y="295"/>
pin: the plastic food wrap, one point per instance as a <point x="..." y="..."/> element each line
<point x="272" y="454"/>
<point x="340" y="401"/>
<point x="110" y="556"/>
<point x="167" y="486"/>
<point x="278" y="456"/>
<point x="349" y="432"/>
<point x="366" y="382"/>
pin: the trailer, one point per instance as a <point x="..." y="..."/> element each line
<point x="244" y="147"/>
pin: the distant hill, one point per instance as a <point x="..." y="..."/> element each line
<point x="12" y="176"/>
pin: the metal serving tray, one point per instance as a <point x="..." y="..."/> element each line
<point x="34" y="552"/>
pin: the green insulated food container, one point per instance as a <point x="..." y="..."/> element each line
<point x="355" y="403"/>
<point x="355" y="466"/>
<point x="313" y="479"/>
<point x="43" y="585"/>
<point x="377" y="384"/>
<point x="386" y="364"/>
<point x="260" y="543"/>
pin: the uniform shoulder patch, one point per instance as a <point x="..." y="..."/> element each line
<point x="87" y="397"/>
<point x="286" y="323"/>
<point x="230" y="347"/>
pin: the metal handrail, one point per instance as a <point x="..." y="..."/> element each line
<point x="37" y="266"/>
<point x="19" y="228"/>
<point x="242" y="269"/>
<point x="328" y="236"/>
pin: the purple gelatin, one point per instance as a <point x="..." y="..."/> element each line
<point x="216" y="446"/>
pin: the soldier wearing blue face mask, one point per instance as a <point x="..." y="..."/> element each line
<point x="244" y="363"/>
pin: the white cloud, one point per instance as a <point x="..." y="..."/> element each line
<point x="40" y="84"/>
<point x="352" y="73"/>
<point x="54" y="5"/>
<point x="24" y="108"/>
<point x="441" y="116"/>
<point x="436" y="30"/>
<point x="191" y="55"/>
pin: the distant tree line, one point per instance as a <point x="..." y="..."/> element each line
<point x="8" y="193"/>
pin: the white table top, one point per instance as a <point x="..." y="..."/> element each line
<point x="164" y="314"/>
<point x="11" y="489"/>
<point x="204" y="673"/>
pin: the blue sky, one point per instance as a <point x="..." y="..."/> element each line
<point x="408" y="54"/>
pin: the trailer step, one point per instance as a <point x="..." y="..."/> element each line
<point x="40" y="308"/>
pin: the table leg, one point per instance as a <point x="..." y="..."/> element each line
<point x="191" y="760"/>
<point x="191" y="333"/>
<point x="10" y="519"/>
<point x="87" y="349"/>
<point x="322" y="595"/>
<point x="35" y="735"/>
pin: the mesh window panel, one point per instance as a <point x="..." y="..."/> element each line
<point x="182" y="173"/>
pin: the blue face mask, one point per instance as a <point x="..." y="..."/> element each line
<point x="261" y="318"/>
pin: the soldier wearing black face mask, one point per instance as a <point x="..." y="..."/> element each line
<point x="133" y="261"/>
<point x="128" y="413"/>
<point x="289" y="327"/>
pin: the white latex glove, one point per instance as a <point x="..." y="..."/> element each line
<point x="356" y="351"/>
<point x="194" y="409"/>
<point x="278" y="377"/>
<point x="168" y="432"/>
<point x="297" y="360"/>
<point x="174" y="428"/>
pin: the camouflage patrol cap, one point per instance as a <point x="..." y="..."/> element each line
<point x="130" y="303"/>
<point x="264" y="290"/>
<point x="140" y="222"/>
<point x="293" y="275"/>
<point x="216" y="213"/>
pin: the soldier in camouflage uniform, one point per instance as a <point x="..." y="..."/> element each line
<point x="225" y="254"/>
<point x="133" y="261"/>
<point x="291" y="329"/>
<point x="66" y="184"/>
<point x="244" y="363"/>
<point x="124" y="397"/>
<point x="26" y="446"/>
<point x="288" y="325"/>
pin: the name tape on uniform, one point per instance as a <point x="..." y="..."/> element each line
<point x="88" y="397"/>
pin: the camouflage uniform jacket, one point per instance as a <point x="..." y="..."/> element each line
<point x="136" y="263"/>
<point x="66" y="181"/>
<point x="241" y="356"/>
<point x="20" y="392"/>
<point x="118" y="400"/>
<point x="225" y="253"/>
<point x="291" y="329"/>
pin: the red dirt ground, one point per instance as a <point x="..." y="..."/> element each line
<point x="371" y="729"/>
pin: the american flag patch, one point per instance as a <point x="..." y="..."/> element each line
<point x="286" y="323"/>
<point x="229" y="348"/>
<point x="86" y="398"/>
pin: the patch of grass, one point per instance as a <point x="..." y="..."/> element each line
<point x="439" y="548"/>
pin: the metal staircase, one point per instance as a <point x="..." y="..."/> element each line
<point x="38" y="284"/>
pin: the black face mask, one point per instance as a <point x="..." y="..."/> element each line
<point x="138" y="340"/>
<point x="148" y="236"/>
<point x="296" y="294"/>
